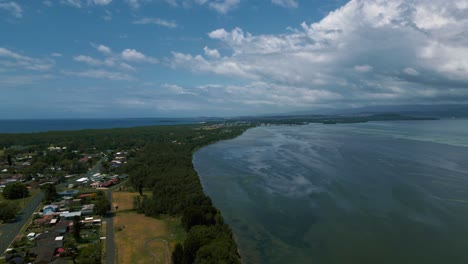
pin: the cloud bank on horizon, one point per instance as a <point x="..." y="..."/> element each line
<point x="220" y="61"/>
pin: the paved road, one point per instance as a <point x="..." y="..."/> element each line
<point x="96" y="167"/>
<point x="110" y="246"/>
<point x="111" y="251"/>
<point x="9" y="231"/>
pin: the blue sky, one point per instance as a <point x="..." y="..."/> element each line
<point x="174" y="58"/>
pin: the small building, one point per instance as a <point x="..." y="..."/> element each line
<point x="96" y="185"/>
<point x="49" y="209"/>
<point x="70" y="215"/>
<point x="90" y="195"/>
<point x="63" y="227"/>
<point x="82" y="180"/>
<point x="110" y="182"/>
<point x="44" y="220"/>
<point x="87" y="209"/>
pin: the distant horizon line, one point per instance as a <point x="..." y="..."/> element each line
<point x="100" y="118"/>
<point x="329" y="111"/>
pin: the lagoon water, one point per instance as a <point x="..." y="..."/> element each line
<point x="378" y="192"/>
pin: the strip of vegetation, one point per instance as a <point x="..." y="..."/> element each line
<point x="331" y="119"/>
<point x="167" y="169"/>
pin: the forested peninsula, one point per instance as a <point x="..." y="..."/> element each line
<point x="160" y="160"/>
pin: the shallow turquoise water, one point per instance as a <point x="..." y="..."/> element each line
<point x="380" y="192"/>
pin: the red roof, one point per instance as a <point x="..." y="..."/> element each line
<point x="87" y="195"/>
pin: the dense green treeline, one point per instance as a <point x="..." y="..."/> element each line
<point x="101" y="139"/>
<point x="167" y="169"/>
<point x="176" y="188"/>
<point x="116" y="138"/>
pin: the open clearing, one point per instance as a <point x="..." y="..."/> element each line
<point x="123" y="199"/>
<point x="142" y="239"/>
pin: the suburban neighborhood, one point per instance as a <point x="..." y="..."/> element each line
<point x="70" y="188"/>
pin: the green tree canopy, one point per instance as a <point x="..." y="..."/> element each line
<point x="8" y="210"/>
<point x="15" y="191"/>
<point x="76" y="227"/>
<point x="210" y="244"/>
<point x="178" y="254"/>
<point x="201" y="215"/>
<point x="218" y="251"/>
<point x="102" y="205"/>
<point x="50" y="192"/>
<point x="89" y="255"/>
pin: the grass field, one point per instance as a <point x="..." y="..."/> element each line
<point x="141" y="239"/>
<point x="124" y="200"/>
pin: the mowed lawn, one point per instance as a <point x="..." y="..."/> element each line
<point x="142" y="239"/>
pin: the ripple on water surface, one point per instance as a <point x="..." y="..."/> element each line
<point x="383" y="192"/>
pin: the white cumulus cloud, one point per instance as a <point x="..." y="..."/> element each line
<point x="112" y="62"/>
<point x="377" y="37"/>
<point x="213" y="53"/>
<point x="136" y="56"/>
<point x="104" y="49"/>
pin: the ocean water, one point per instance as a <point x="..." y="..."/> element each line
<point x="379" y="192"/>
<point x="42" y="125"/>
